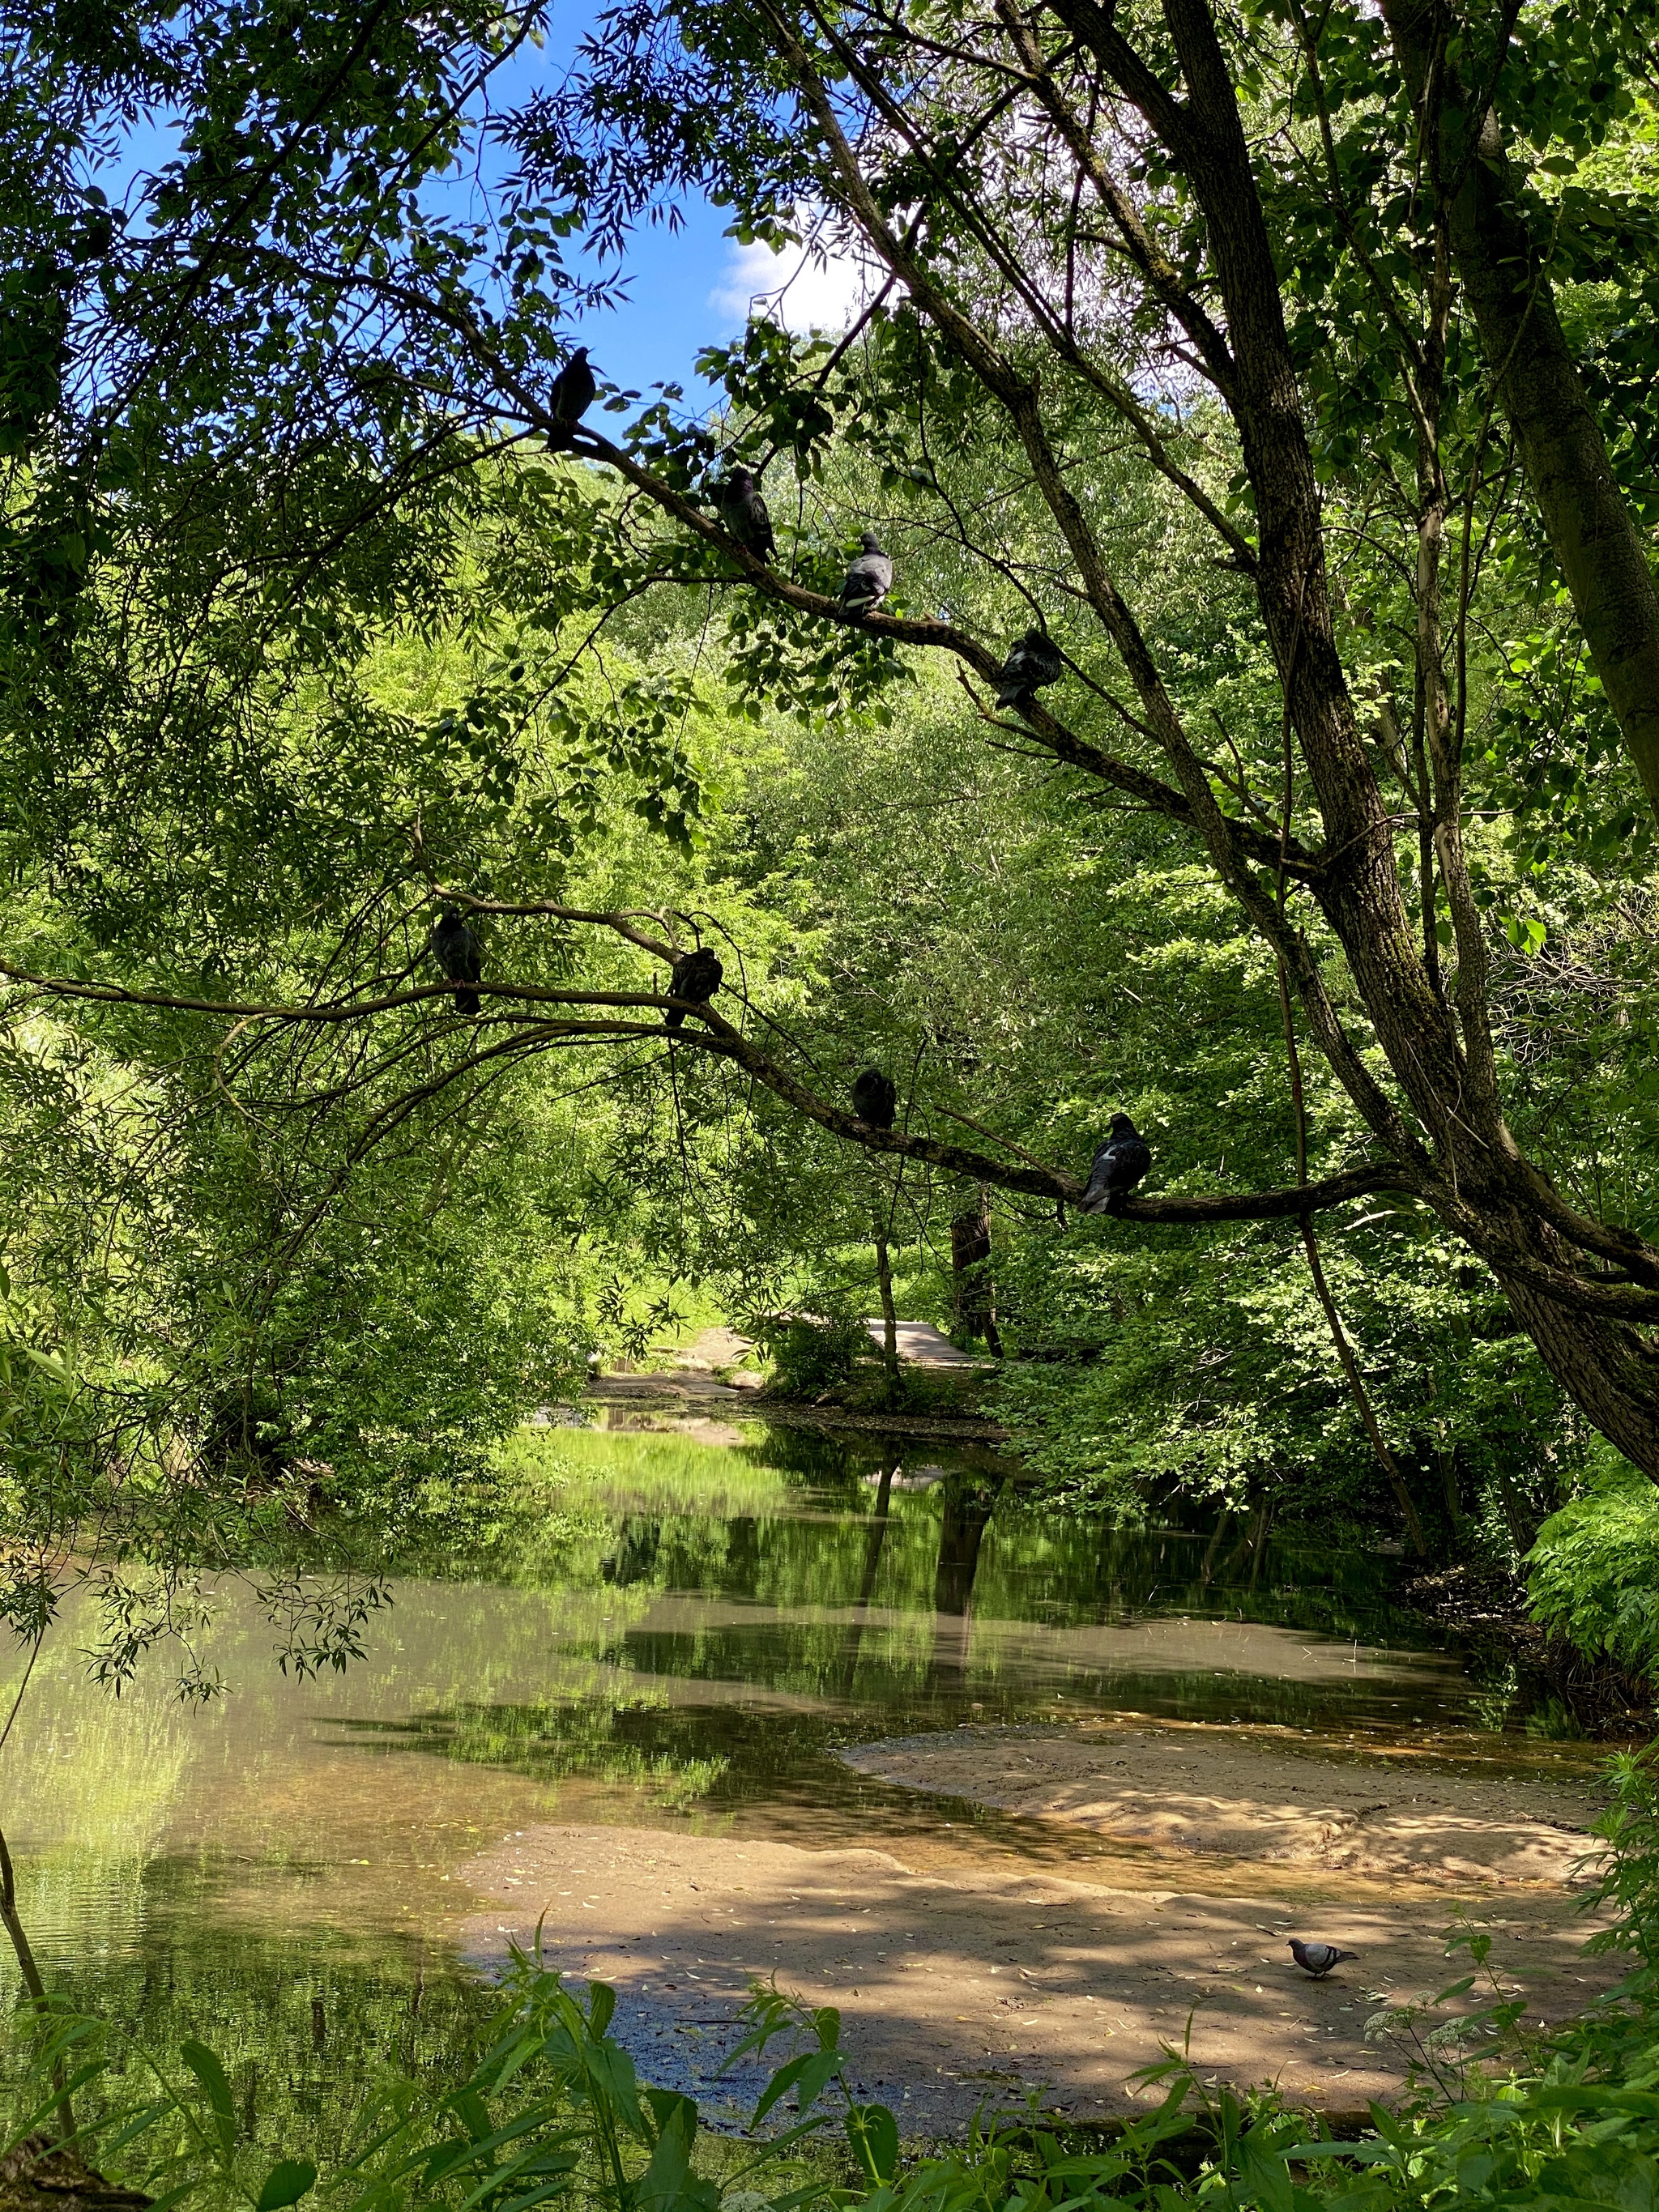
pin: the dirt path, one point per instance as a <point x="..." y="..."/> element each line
<point x="921" y="1344"/>
<point x="958" y="1983"/>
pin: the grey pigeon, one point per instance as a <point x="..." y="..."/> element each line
<point x="459" y="956"/>
<point x="874" y="1099"/>
<point x="1032" y="663"/>
<point x="1318" y="1959"/>
<point x="574" y="389"/>
<point x="1118" y="1167"/>
<point x="869" y="580"/>
<point x="744" y="513"/>
<point x="695" y="975"/>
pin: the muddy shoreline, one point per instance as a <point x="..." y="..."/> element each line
<point x="964" y="1977"/>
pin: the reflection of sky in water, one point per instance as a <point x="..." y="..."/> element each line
<point x="672" y="1634"/>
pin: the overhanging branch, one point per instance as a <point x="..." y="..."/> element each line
<point x="720" y="1039"/>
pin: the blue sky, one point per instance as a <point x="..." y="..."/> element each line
<point x="687" y="289"/>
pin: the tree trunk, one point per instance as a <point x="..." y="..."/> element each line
<point x="30" y="1972"/>
<point x="890" y="1358"/>
<point x="973" y="1294"/>
<point x="1586" y="516"/>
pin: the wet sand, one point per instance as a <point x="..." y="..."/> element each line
<point x="1205" y="1791"/>
<point x="960" y="1983"/>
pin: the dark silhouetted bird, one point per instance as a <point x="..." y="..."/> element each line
<point x="1032" y="662"/>
<point x="574" y="389"/>
<point x="1118" y="1167"/>
<point x="456" y="949"/>
<point x="874" y="1099"/>
<point x="744" y="513"/>
<point x="1318" y="1959"/>
<point x="695" y="975"/>
<point x="869" y="580"/>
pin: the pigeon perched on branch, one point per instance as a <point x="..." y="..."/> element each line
<point x="744" y="513"/>
<point x="573" y="390"/>
<point x="695" y="975"/>
<point x="874" y="1099"/>
<point x="1033" y="661"/>
<point x="869" y="580"/>
<point x="1118" y="1167"/>
<point x="459" y="956"/>
<point x="1318" y="1959"/>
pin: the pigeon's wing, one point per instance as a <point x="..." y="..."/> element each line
<point x="867" y="580"/>
<point x="1094" y="1199"/>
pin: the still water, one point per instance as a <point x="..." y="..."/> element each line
<point x="667" y="1632"/>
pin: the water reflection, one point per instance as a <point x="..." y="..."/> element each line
<point x="663" y="1632"/>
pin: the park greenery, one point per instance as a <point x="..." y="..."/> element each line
<point x="1292" y="369"/>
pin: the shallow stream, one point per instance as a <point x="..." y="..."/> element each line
<point x="672" y="1633"/>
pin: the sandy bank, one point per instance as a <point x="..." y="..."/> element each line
<point x="1200" y="1790"/>
<point x="962" y="1985"/>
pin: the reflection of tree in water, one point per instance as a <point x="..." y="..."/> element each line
<point x="969" y="1502"/>
<point x="874" y="1543"/>
<point x="743" y="1556"/>
<point x="635" y="1559"/>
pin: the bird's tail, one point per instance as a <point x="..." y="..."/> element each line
<point x="467" y="1002"/>
<point x="673" y="1019"/>
<point x="1010" y="695"/>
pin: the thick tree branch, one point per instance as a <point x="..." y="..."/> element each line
<point x="720" y="1039"/>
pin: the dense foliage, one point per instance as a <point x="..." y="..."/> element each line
<point x="314" y="615"/>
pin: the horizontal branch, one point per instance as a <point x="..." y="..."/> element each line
<point x="1286" y="1205"/>
<point x="720" y="1040"/>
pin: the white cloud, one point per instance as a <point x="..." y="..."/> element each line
<point x="806" y="287"/>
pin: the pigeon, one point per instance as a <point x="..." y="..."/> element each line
<point x="744" y="514"/>
<point x="574" y="389"/>
<point x="695" y="975"/>
<point x="1118" y="1167"/>
<point x="1318" y="1959"/>
<point x="869" y="580"/>
<point x="456" y="949"/>
<point x="874" y="1099"/>
<point x="1033" y="661"/>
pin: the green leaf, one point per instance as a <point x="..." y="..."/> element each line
<point x="211" y="2074"/>
<point x="286" y="2183"/>
<point x="873" y="2133"/>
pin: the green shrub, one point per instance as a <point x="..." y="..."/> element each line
<point x="809" y="1355"/>
<point x="1593" y="1574"/>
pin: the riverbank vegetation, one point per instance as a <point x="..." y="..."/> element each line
<point x="1290" y="374"/>
<point x="310" y="631"/>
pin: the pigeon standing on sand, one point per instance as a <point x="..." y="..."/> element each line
<point x="695" y="975"/>
<point x="573" y="390"/>
<point x="1318" y="1959"/>
<point x="456" y="949"/>
<point x="744" y="513"/>
<point x="869" y="580"/>
<point x="1033" y="661"/>
<point x="874" y="1099"/>
<point x="1118" y="1167"/>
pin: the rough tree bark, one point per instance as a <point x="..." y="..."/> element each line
<point x="1591" y="530"/>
